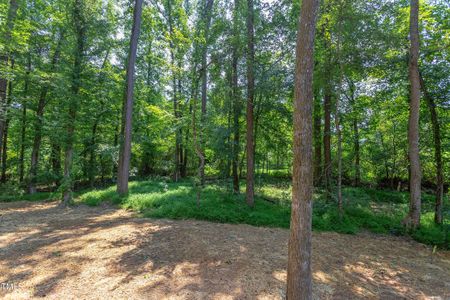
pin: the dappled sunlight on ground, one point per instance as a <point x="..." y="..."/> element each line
<point x="104" y="252"/>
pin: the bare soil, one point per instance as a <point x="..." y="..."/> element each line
<point x="109" y="253"/>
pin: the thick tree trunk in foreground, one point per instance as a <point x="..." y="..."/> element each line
<point x="250" y="98"/>
<point x="412" y="220"/>
<point x="125" y="149"/>
<point x="80" y="32"/>
<point x="437" y="153"/>
<point x="299" y="278"/>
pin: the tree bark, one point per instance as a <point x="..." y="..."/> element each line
<point x="385" y="157"/>
<point x="299" y="278"/>
<point x="339" y="150"/>
<point x="207" y="11"/>
<point x="39" y="121"/>
<point x="394" y="150"/>
<point x="80" y="32"/>
<point x="92" y="147"/>
<point x="125" y="149"/>
<point x="412" y="220"/>
<point x="55" y="161"/>
<point x="250" y="98"/>
<point x="38" y="124"/>
<point x="180" y="128"/>
<point x="208" y="4"/>
<point x="356" y="146"/>
<point x="92" y="160"/>
<point x="236" y="99"/>
<point x="437" y="153"/>
<point x="176" y="173"/>
<point x="4" y="60"/>
<point x="117" y="133"/>
<point x="327" y="141"/>
<point x="6" y="128"/>
<point x="197" y="147"/>
<point x="24" y="119"/>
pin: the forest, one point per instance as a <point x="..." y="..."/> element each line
<point x="330" y="116"/>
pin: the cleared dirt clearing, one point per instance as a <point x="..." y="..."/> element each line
<point x="108" y="253"/>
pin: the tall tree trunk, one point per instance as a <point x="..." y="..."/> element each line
<point x="412" y="220"/>
<point x="250" y="98"/>
<point x="116" y="143"/>
<point x="339" y="149"/>
<point x="4" y="152"/>
<point x="177" y="132"/>
<point x="338" y="116"/>
<point x="55" y="161"/>
<point x="125" y="149"/>
<point x="356" y="146"/>
<point x="197" y="147"/>
<point x="357" y="152"/>
<point x="394" y="150"/>
<point x="92" y="161"/>
<point x="204" y="72"/>
<point x="24" y="119"/>
<point x="256" y="105"/>
<point x="37" y="140"/>
<point x="97" y="118"/>
<point x="176" y="174"/>
<point x="4" y="60"/>
<point x="185" y="153"/>
<point x="317" y="143"/>
<point x="207" y="11"/>
<point x="39" y="121"/>
<point x="236" y="98"/>
<point x="6" y="128"/>
<point x="385" y="155"/>
<point x="437" y="152"/>
<point x="229" y="147"/>
<point x="327" y="141"/>
<point x="80" y="32"/>
<point x="299" y="278"/>
<point x="180" y="128"/>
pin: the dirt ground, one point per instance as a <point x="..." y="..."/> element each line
<point x="108" y="253"/>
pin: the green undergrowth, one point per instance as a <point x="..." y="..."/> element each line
<point x="378" y="211"/>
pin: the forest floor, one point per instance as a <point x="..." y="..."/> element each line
<point x="109" y="253"/>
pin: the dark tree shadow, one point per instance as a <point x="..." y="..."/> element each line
<point x="148" y="258"/>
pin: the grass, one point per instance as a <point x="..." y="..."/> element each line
<point x="377" y="211"/>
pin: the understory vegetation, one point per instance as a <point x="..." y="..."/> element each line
<point x="277" y="113"/>
<point x="374" y="210"/>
